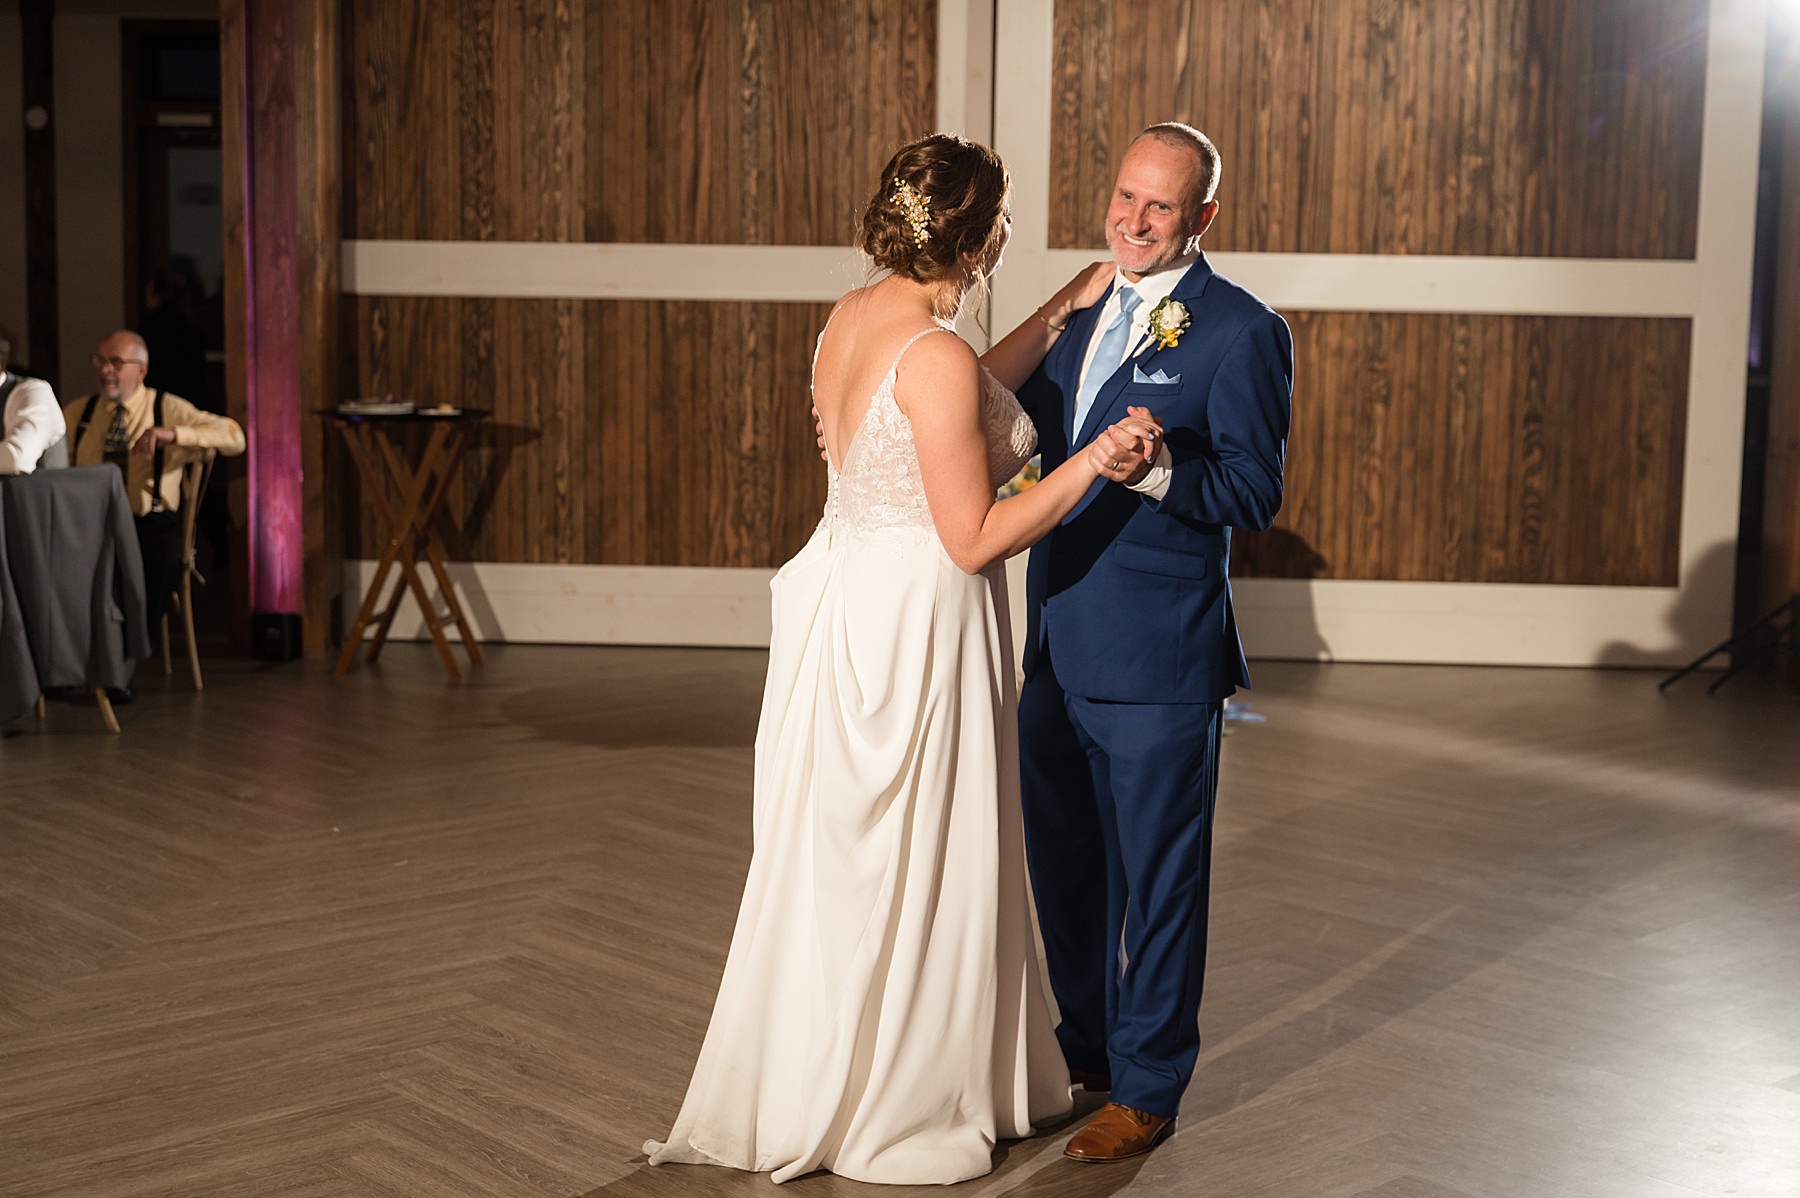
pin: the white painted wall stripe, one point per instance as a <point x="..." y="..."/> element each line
<point x="1325" y="620"/>
<point x="1718" y="364"/>
<point x="1433" y="283"/>
<point x="965" y="66"/>
<point x="1463" y="623"/>
<point x="1022" y="106"/>
<point x="594" y="605"/>
<point x="591" y="270"/>
<point x="812" y="274"/>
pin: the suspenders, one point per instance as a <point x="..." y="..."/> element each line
<point x="87" y="416"/>
<point x="156" y="464"/>
<point x="8" y="380"/>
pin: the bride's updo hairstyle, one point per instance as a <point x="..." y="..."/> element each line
<point x="940" y="197"/>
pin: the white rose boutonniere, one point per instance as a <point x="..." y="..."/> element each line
<point x="1168" y="320"/>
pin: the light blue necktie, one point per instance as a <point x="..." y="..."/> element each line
<point x="1107" y="357"/>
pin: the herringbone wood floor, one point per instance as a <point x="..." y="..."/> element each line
<point x="1476" y="933"/>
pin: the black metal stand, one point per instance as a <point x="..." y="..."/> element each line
<point x="1776" y="631"/>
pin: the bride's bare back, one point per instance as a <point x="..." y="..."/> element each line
<point x="955" y="428"/>
<point x="865" y="333"/>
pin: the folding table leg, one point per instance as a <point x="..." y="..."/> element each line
<point x="417" y="487"/>
<point x="375" y="489"/>
<point x="434" y="550"/>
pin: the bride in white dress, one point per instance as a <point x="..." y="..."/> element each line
<point x="882" y="1014"/>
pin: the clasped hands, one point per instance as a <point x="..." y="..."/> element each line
<point x="1124" y="452"/>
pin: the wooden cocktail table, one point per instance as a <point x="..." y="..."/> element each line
<point x="406" y="500"/>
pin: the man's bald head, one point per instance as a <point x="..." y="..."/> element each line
<point x="120" y="363"/>
<point x="124" y="344"/>
<point x="1190" y="140"/>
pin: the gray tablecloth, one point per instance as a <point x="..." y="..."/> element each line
<point x="71" y="585"/>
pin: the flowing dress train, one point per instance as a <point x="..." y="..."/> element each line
<point x="882" y="1012"/>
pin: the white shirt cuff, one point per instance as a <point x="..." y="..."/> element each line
<point x="1156" y="483"/>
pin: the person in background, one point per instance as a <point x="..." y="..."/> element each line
<point x="150" y="435"/>
<point x="176" y="342"/>
<point x="32" y="422"/>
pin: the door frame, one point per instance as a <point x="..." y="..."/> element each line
<point x="178" y="122"/>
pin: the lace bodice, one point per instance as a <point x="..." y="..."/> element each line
<point x="880" y="487"/>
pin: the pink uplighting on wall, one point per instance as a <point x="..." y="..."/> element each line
<point x="274" y="399"/>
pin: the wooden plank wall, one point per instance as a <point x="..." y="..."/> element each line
<point x="626" y="432"/>
<point x="1430" y="447"/>
<point x="1467" y="449"/>
<point x="1477" y="449"/>
<point x="318" y="78"/>
<point x="1497" y="127"/>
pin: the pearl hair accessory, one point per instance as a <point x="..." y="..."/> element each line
<point x="918" y="213"/>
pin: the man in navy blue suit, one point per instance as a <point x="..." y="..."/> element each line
<point x="1132" y="648"/>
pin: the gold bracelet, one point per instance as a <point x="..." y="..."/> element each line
<point x="1054" y="328"/>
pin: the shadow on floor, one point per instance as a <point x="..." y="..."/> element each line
<point x="702" y="698"/>
<point x="1033" y="1168"/>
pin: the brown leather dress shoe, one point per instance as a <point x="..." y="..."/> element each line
<point x="1119" y="1133"/>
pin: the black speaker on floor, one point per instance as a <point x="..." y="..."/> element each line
<point x="275" y="635"/>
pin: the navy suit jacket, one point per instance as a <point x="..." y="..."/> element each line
<point x="1130" y="594"/>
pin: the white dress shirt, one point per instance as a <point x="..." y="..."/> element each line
<point x="33" y="422"/>
<point x="1153" y="289"/>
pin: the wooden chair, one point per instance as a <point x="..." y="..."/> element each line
<point x="194" y="478"/>
<point x="105" y="704"/>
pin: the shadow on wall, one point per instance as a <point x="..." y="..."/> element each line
<point x="1278" y="620"/>
<point x="1699" y="619"/>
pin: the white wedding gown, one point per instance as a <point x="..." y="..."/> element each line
<point x="882" y="1013"/>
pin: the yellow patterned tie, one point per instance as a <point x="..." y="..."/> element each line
<point x="118" y="441"/>
<point x="118" y="433"/>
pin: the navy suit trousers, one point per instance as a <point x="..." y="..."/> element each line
<point x="1118" y="802"/>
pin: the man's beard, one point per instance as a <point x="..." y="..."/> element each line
<point x="1165" y="252"/>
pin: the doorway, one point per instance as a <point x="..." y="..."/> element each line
<point x="175" y="253"/>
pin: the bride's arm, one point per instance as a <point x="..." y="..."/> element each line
<point x="1016" y="355"/>
<point x="938" y="389"/>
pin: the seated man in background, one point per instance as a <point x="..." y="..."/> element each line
<point x="150" y="435"/>
<point x="30" y="421"/>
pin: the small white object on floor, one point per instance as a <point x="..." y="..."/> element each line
<point x="1240" y="713"/>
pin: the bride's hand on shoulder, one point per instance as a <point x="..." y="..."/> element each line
<point x="1082" y="291"/>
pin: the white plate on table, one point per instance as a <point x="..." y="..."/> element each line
<point x="375" y="409"/>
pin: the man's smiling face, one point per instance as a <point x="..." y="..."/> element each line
<point x="1155" y="209"/>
